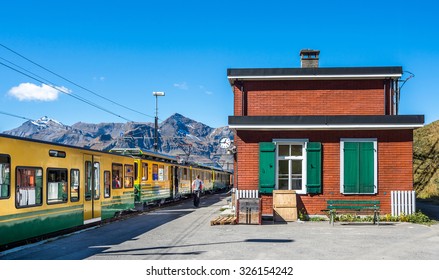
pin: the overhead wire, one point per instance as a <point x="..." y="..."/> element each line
<point x="72" y="82"/>
<point x="18" y="66"/>
<point x="16" y="116"/>
<point x="66" y="92"/>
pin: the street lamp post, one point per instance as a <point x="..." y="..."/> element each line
<point x="156" y="120"/>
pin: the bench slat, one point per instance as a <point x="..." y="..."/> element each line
<point x="353" y="202"/>
<point x="352" y="207"/>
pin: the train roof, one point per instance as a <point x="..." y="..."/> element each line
<point x="52" y="143"/>
<point x="143" y="154"/>
<point x="126" y="152"/>
<point x="205" y="166"/>
<point x="137" y="152"/>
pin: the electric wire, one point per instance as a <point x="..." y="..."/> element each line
<point x="76" y="84"/>
<point x="16" y="116"/>
<point x="66" y="92"/>
<point x="21" y="68"/>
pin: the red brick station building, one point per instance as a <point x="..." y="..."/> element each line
<point x="324" y="132"/>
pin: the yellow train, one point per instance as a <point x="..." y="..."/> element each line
<point x="47" y="187"/>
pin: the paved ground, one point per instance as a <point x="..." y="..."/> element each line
<point x="183" y="232"/>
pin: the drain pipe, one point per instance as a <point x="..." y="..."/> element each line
<point x="396" y="96"/>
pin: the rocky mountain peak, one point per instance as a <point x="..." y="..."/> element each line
<point x="177" y="136"/>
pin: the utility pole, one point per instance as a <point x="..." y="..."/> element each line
<point x="156" y="119"/>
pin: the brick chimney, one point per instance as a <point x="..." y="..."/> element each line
<point x="309" y="58"/>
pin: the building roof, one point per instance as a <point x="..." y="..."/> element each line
<point x="319" y="73"/>
<point x="325" y="122"/>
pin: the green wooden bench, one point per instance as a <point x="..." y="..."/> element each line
<point x="349" y="206"/>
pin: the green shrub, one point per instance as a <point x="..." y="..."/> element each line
<point x="418" y="218"/>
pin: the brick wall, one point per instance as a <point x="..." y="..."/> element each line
<point x="303" y="98"/>
<point x="394" y="164"/>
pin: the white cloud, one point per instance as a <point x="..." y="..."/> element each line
<point x="30" y="92"/>
<point x="101" y="78"/>
<point x="203" y="88"/>
<point x="182" y="86"/>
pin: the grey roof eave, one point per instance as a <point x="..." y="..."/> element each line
<point x="314" y="73"/>
<point x="325" y="122"/>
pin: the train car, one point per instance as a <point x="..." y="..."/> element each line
<point x="47" y="187"/>
<point x="153" y="175"/>
<point x="221" y="179"/>
<point x="214" y="179"/>
<point x="184" y="181"/>
<point x="205" y="176"/>
<point x="160" y="177"/>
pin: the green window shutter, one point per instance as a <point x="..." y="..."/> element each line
<point x="359" y="167"/>
<point x="351" y="167"/>
<point x="366" y="167"/>
<point x="314" y="167"/>
<point x="267" y="163"/>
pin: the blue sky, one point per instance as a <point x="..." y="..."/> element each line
<point x="125" y="50"/>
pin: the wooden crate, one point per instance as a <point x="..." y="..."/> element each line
<point x="284" y="206"/>
<point x="285" y="214"/>
<point x="249" y="211"/>
<point x="284" y="198"/>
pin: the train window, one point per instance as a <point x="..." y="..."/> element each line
<point x="88" y="180"/>
<point x="107" y="183"/>
<point x="56" y="185"/>
<point x="74" y="185"/>
<point x="163" y="174"/>
<point x="54" y="153"/>
<point x="5" y="184"/>
<point x="184" y="173"/>
<point x="144" y="171"/>
<point x="155" y="172"/>
<point x="97" y="180"/>
<point x="116" y="175"/>
<point x="92" y="180"/>
<point x="29" y="185"/>
<point x="129" y="172"/>
<point x="136" y="171"/>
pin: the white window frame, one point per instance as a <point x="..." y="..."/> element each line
<point x="375" y="168"/>
<point x="304" y="143"/>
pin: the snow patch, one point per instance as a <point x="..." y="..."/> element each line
<point x="44" y="122"/>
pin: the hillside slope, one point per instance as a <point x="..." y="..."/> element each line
<point x="426" y="160"/>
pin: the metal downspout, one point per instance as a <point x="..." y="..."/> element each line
<point x="396" y="97"/>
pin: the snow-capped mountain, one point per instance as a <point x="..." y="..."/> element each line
<point x="178" y="136"/>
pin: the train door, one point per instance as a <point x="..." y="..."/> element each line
<point x="92" y="206"/>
